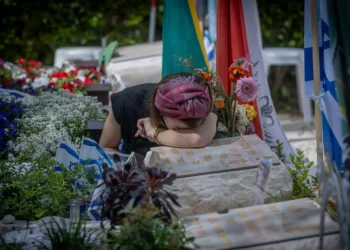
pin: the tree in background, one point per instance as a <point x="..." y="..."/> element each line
<point x="282" y="25"/>
<point x="34" y="29"/>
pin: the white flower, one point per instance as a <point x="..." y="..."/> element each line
<point x="241" y="119"/>
<point x="41" y="81"/>
<point x="51" y="116"/>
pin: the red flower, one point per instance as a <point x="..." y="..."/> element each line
<point x="74" y="72"/>
<point x="88" y="81"/>
<point x="21" y="61"/>
<point x="68" y="86"/>
<point x="59" y="74"/>
<point x="78" y="83"/>
<point x="33" y="63"/>
<point x="26" y="69"/>
<point x="236" y="72"/>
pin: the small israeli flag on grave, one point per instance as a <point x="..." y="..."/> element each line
<point x="92" y="155"/>
<point x="67" y="155"/>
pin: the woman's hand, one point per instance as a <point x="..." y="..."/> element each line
<point x="146" y="129"/>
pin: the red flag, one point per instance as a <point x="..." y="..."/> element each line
<point x="232" y="44"/>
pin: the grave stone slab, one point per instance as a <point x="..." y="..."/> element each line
<point x="254" y="226"/>
<point x="222" y="155"/>
<point x="227" y="190"/>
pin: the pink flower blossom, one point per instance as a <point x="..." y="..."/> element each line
<point x="244" y="62"/>
<point x="246" y="89"/>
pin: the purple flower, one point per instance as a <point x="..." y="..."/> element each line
<point x="246" y="89"/>
<point x="1" y="62"/>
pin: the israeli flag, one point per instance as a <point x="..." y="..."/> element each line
<point x="94" y="209"/>
<point x="92" y="155"/>
<point x="67" y="155"/>
<point x="209" y="48"/>
<point x="327" y="99"/>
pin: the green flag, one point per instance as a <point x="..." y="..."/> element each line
<point x="182" y="37"/>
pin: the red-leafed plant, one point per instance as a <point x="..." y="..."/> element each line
<point x="141" y="187"/>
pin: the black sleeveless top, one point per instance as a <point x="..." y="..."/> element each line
<point x="128" y="107"/>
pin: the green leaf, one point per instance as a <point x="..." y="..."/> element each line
<point x="39" y="213"/>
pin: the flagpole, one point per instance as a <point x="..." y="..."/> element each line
<point x="316" y="71"/>
<point x="152" y="21"/>
<point x="318" y="115"/>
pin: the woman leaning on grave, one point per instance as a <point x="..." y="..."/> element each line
<point x="176" y="112"/>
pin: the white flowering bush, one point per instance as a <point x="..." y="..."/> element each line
<point x="51" y="116"/>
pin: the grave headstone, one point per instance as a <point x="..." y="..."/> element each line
<point x="223" y="175"/>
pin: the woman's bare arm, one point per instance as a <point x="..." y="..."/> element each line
<point x="198" y="137"/>
<point x="111" y="134"/>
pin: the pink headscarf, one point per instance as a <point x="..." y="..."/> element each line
<point x="182" y="98"/>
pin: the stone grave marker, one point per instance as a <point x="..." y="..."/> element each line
<point x="264" y="224"/>
<point x="222" y="155"/>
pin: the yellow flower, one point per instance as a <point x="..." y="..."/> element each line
<point x="251" y="113"/>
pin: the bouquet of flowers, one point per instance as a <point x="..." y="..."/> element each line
<point x="236" y="111"/>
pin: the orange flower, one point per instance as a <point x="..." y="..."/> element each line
<point x="236" y="72"/>
<point x="206" y="76"/>
<point x="219" y="103"/>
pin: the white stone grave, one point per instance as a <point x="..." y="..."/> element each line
<point x="222" y="176"/>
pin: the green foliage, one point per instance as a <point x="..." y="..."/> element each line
<point x="279" y="151"/>
<point x="34" y="29"/>
<point x="5" y="246"/>
<point x="222" y="134"/>
<point x="145" y="232"/>
<point x="73" y="236"/>
<point x="38" y="191"/>
<point x="304" y="186"/>
<point x="282" y="23"/>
